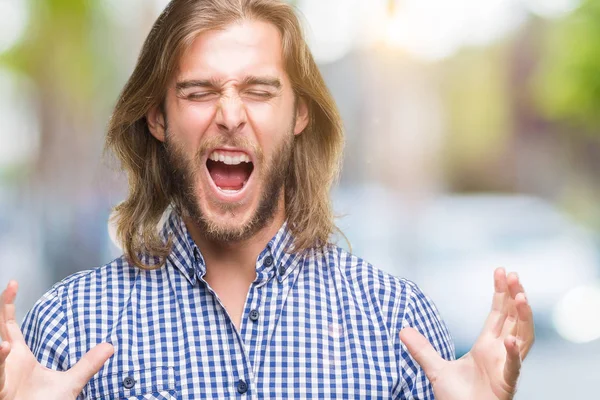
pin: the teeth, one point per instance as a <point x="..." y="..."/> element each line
<point x="229" y="158"/>
<point x="228" y="190"/>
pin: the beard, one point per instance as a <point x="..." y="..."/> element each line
<point x="184" y="177"/>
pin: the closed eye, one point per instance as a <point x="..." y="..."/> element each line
<point x="201" y="96"/>
<point x="255" y="93"/>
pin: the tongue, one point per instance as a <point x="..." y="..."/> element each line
<point x="229" y="177"/>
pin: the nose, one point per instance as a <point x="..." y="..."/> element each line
<point x="231" y="114"/>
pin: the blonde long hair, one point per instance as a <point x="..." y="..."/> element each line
<point x="315" y="161"/>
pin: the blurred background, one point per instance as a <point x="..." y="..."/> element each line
<point x="473" y="141"/>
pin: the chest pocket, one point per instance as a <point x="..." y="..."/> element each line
<point x="148" y="384"/>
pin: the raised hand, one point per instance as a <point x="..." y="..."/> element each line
<point x="491" y="369"/>
<point x="23" y="378"/>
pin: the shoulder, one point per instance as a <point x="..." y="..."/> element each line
<point x="84" y="287"/>
<point x="365" y="277"/>
<point x="81" y="297"/>
<point x="398" y="301"/>
<point x="383" y="296"/>
<point x="118" y="271"/>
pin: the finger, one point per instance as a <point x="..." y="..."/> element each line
<point x="512" y="366"/>
<point x="496" y="317"/>
<point x="7" y="308"/>
<point x="526" y="335"/>
<point x="514" y="288"/>
<point x="511" y="325"/>
<point x="423" y="352"/>
<point x="514" y="284"/>
<point x="11" y="328"/>
<point x="89" y="365"/>
<point x="500" y="289"/>
<point x="3" y="334"/>
<point x="4" y="352"/>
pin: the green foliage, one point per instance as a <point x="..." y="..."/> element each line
<point x="59" y="50"/>
<point x="567" y="87"/>
<point x="476" y="94"/>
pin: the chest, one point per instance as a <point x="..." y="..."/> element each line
<point x="231" y="295"/>
<point x="287" y="345"/>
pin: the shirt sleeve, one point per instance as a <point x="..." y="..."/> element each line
<point x="419" y="312"/>
<point x="45" y="332"/>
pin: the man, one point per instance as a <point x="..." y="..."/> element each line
<point x="227" y="125"/>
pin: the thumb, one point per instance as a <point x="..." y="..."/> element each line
<point x="89" y="365"/>
<point x="512" y="367"/>
<point x="423" y="352"/>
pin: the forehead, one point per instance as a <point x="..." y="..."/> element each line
<point x="247" y="47"/>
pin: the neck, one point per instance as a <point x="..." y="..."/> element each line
<point x="235" y="259"/>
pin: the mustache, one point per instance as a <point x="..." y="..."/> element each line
<point x="239" y="142"/>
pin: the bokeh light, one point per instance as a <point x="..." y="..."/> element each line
<point x="577" y="315"/>
<point x="13" y="22"/>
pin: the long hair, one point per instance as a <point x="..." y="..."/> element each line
<point x="315" y="161"/>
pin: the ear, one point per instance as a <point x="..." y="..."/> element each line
<point x="301" y="116"/>
<point x="156" y="123"/>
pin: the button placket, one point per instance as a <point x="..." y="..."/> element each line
<point x="252" y="331"/>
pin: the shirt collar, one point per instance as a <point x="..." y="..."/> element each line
<point x="186" y="256"/>
<point x="280" y="264"/>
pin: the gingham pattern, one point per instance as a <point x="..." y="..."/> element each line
<point x="171" y="395"/>
<point x="327" y="328"/>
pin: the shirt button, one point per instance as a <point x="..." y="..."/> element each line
<point x="128" y="382"/>
<point x="242" y="387"/>
<point x="254" y="314"/>
<point x="282" y="270"/>
<point x="268" y="261"/>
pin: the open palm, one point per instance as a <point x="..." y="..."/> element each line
<point x="491" y="369"/>
<point x="23" y="378"/>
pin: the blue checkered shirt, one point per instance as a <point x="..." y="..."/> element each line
<point x="321" y="324"/>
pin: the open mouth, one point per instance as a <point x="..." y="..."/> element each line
<point x="229" y="170"/>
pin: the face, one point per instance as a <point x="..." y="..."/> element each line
<point x="228" y="123"/>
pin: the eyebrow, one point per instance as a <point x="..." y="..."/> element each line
<point x="208" y="83"/>
<point x="262" y="80"/>
<point x="213" y="83"/>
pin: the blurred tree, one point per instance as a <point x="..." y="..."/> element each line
<point x="65" y="53"/>
<point x="566" y="89"/>
<point x="568" y="82"/>
<point x="475" y="84"/>
<point x="62" y="50"/>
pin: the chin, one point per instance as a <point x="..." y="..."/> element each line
<point x="227" y="222"/>
<point x="227" y="232"/>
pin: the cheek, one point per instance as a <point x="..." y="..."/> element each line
<point x="189" y="121"/>
<point x="270" y="124"/>
<point x="274" y="112"/>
